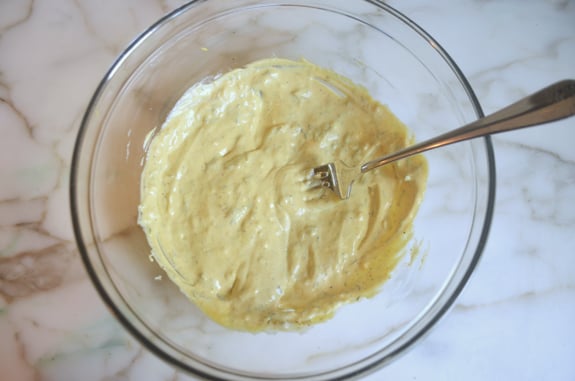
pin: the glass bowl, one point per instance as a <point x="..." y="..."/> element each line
<point x="366" y="41"/>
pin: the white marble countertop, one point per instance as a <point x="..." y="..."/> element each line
<point x="515" y="320"/>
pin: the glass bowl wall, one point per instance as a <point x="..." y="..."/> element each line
<point x="366" y="41"/>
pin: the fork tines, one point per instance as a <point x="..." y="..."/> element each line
<point x="325" y="173"/>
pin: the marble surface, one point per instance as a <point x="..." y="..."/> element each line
<point x="513" y="321"/>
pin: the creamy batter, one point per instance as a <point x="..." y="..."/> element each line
<point x="228" y="210"/>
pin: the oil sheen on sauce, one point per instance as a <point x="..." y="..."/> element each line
<point x="227" y="207"/>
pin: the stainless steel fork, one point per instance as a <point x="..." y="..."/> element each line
<point x="547" y="105"/>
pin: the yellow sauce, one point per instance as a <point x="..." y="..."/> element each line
<point x="227" y="206"/>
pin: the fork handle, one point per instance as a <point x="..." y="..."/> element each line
<point x="547" y="105"/>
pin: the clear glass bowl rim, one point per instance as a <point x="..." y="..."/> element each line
<point x="341" y="375"/>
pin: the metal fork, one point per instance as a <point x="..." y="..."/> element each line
<point x="546" y="105"/>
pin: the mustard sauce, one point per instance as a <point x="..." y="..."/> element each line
<point x="228" y="210"/>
